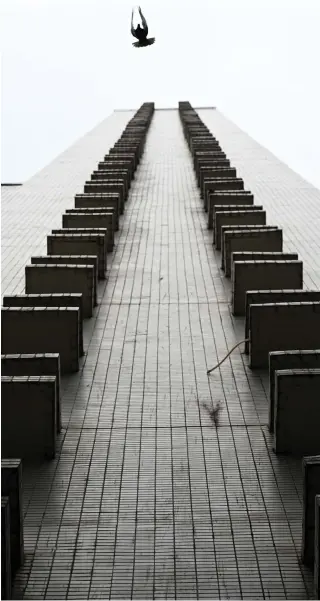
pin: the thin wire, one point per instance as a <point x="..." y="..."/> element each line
<point x="226" y="357"/>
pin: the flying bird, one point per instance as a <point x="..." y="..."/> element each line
<point x="141" y="33"/>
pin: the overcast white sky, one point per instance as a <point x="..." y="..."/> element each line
<point x="66" y="64"/>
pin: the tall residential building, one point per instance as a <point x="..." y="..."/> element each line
<point x="164" y="483"/>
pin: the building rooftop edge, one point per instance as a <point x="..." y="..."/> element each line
<point x="169" y="108"/>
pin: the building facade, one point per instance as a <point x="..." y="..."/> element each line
<point x="148" y="496"/>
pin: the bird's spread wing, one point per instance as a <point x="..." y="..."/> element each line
<point x="132" y="28"/>
<point x="144" y="22"/>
